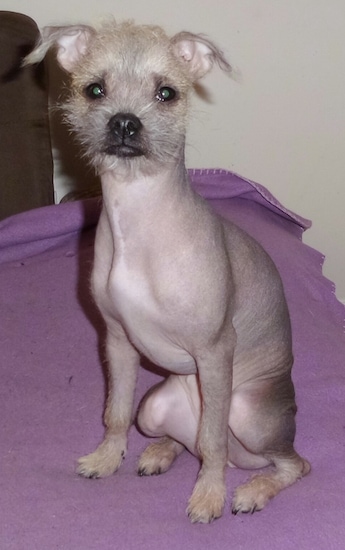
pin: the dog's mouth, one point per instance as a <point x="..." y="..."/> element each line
<point x="124" y="150"/>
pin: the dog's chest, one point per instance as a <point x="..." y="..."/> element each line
<point x="137" y="277"/>
<point x="150" y="327"/>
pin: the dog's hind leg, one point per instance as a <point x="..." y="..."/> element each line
<point x="254" y="495"/>
<point x="170" y="410"/>
<point x="263" y="419"/>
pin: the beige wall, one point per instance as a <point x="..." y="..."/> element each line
<point x="283" y="124"/>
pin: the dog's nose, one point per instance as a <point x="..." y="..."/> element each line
<point x="124" y="125"/>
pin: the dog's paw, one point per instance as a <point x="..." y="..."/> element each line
<point x="206" y="503"/>
<point x="106" y="459"/>
<point x="253" y="496"/>
<point x="158" y="457"/>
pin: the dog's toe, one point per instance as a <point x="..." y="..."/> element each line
<point x="250" y="497"/>
<point x="158" y="457"/>
<point x="86" y="472"/>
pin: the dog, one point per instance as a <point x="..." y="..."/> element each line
<point x="174" y="281"/>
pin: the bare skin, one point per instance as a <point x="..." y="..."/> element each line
<point x="173" y="281"/>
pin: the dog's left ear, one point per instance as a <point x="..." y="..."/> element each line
<point x="198" y="54"/>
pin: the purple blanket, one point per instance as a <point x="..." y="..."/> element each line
<point x="52" y="395"/>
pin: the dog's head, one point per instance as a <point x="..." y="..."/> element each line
<point x="130" y="87"/>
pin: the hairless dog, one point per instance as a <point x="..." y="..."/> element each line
<point x="174" y="281"/>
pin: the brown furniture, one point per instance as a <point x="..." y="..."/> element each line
<point x="26" y="169"/>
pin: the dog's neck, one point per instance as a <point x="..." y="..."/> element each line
<point x="122" y="188"/>
<point x="131" y="204"/>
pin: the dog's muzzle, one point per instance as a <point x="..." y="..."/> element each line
<point x="124" y="136"/>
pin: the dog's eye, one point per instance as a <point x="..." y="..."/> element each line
<point x="94" y="90"/>
<point x="165" y="94"/>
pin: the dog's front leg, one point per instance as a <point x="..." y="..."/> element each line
<point x="215" y="378"/>
<point x="123" y="362"/>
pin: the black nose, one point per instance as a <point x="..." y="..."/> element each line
<point x="124" y="125"/>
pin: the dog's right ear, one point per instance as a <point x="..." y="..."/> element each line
<point x="71" y="43"/>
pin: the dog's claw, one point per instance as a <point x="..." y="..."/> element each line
<point x="251" y="510"/>
<point x="94" y="475"/>
<point x="143" y="472"/>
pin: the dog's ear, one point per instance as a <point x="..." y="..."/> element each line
<point x="198" y="54"/>
<point x="71" y="43"/>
